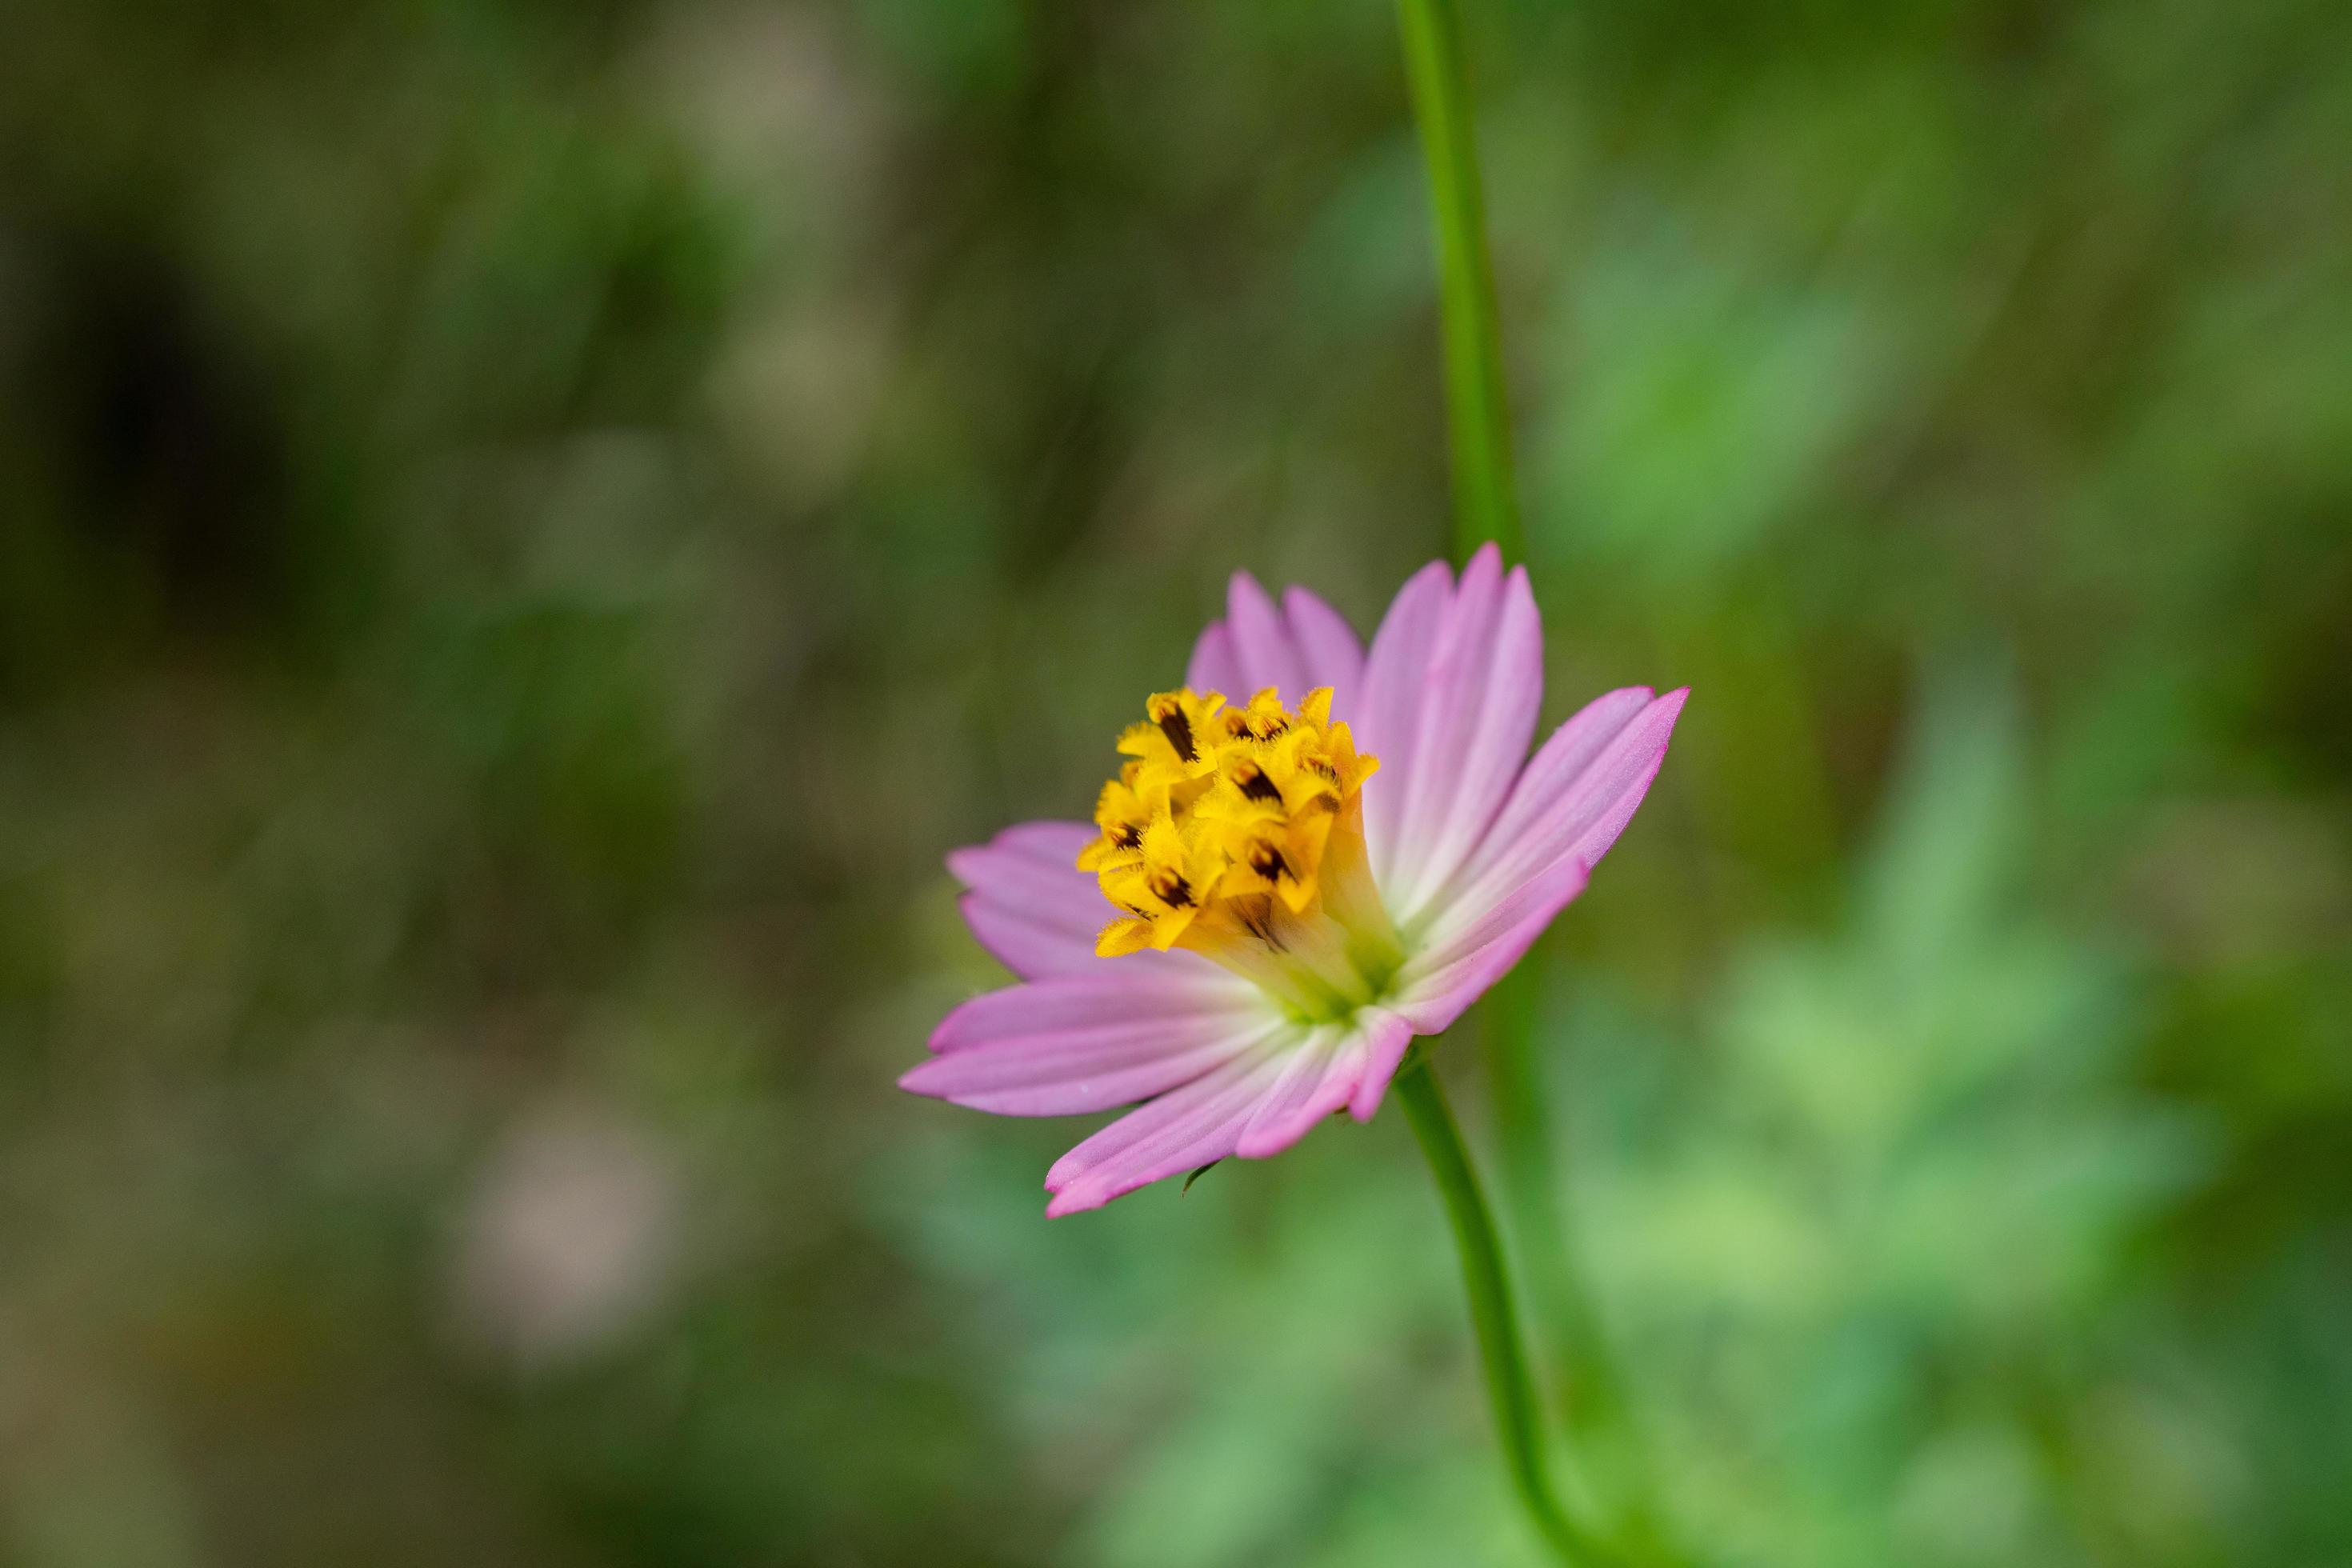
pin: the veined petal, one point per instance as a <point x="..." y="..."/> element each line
<point x="1555" y="770"/>
<point x="1180" y="1131"/>
<point x="1320" y="1077"/>
<point x="1437" y="987"/>
<point x="1328" y="645"/>
<point x="1479" y="696"/>
<point x="1467" y="927"/>
<point x="1032" y="908"/>
<point x="1388" y="725"/>
<point x="1110" y="1059"/>
<point x="1574" y="798"/>
<point x="1387" y="1036"/>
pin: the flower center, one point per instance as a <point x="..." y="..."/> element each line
<point x="1236" y="830"/>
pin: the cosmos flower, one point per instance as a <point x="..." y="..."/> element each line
<point x="1310" y="857"/>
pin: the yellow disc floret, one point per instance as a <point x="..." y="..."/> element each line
<point x="1221" y="813"/>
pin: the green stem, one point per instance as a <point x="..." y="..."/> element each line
<point x="1485" y="508"/>
<point x="1477" y="400"/>
<point x="1518" y="1421"/>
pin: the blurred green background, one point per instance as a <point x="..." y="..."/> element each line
<point x="527" y="527"/>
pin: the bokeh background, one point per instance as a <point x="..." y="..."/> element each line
<point x="528" y="527"/>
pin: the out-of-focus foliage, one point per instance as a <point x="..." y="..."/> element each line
<point x="527" y="528"/>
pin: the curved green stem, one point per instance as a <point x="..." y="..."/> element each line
<point x="1519" y="1420"/>
<point x="1477" y="399"/>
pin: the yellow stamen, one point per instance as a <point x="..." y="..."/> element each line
<point x="1218" y="830"/>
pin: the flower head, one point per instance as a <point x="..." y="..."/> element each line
<point x="1309" y="857"/>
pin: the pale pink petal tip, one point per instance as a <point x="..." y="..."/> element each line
<point x="1262" y="641"/>
<point x="1452" y="980"/>
<point x="1333" y="654"/>
<point x="1321" y="1078"/>
<point x="1574" y="796"/>
<point x="1388" y="1038"/>
<point x="1214" y="667"/>
<point x="1181" y="1131"/>
<point x="1256" y="1105"/>
<point x="1294" y="647"/>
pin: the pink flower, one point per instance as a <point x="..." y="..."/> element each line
<point x="1310" y="858"/>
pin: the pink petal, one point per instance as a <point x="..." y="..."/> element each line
<point x="1566" y="753"/>
<point x="1466" y="927"/>
<point x="1111" y="1058"/>
<point x="1321" y="1076"/>
<point x="1386" y="1037"/>
<point x="1033" y="909"/>
<point x="1030" y="943"/>
<point x="1215" y="666"/>
<point x="1437" y="988"/>
<point x="1328" y="645"/>
<point x="1459" y="728"/>
<point x="1113" y="994"/>
<point x="1389" y="717"/>
<point x="1478" y="718"/>
<point x="1575" y="797"/>
<point x="1180" y="1131"/>
<point x="1261" y="642"/>
<point x="1296" y="648"/>
<point x="1035" y="868"/>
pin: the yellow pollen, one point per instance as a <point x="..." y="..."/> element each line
<point x="1223" y="811"/>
